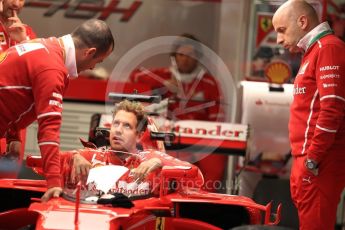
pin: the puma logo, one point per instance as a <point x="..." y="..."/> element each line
<point x="307" y="180"/>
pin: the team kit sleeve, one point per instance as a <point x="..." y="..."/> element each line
<point x="330" y="78"/>
<point x="30" y="33"/>
<point x="155" y="78"/>
<point x="14" y="135"/>
<point x="48" y="88"/>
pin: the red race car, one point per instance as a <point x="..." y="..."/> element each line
<point x="176" y="206"/>
<point x="171" y="204"/>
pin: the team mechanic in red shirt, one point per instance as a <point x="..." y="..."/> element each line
<point x="127" y="129"/>
<point x="317" y="122"/>
<point x="193" y="95"/>
<point x="33" y="78"/>
<point x="13" y="31"/>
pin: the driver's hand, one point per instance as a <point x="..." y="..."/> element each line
<point x="81" y="168"/>
<point x="50" y="193"/>
<point x="145" y="168"/>
<point x="16" y="28"/>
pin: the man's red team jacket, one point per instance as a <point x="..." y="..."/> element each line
<point x="317" y="121"/>
<point x="33" y="80"/>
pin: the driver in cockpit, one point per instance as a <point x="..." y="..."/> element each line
<point x="128" y="126"/>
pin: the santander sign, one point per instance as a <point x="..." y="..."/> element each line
<point x="211" y="130"/>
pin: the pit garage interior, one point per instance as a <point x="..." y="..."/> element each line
<point x="239" y="45"/>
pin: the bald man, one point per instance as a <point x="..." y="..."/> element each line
<point x="317" y="122"/>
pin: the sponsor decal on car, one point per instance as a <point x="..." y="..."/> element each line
<point x="210" y="130"/>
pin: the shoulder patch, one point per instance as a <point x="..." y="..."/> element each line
<point x="3" y="56"/>
<point x="28" y="47"/>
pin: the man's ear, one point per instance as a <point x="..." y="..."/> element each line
<point x="90" y="51"/>
<point x="302" y="22"/>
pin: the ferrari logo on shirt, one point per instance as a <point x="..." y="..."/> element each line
<point x="303" y="68"/>
<point x="2" y="39"/>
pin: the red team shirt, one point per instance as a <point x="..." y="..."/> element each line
<point x="34" y="78"/>
<point x="317" y="122"/>
<point x="317" y="129"/>
<point x="199" y="99"/>
<point x="5" y="43"/>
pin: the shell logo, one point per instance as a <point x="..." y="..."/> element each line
<point x="278" y="72"/>
<point x="3" y="56"/>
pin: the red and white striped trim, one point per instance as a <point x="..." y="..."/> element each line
<point x="25" y="112"/>
<point x="308" y="122"/>
<point x="209" y="81"/>
<point x="326" y="130"/>
<point x="16" y="87"/>
<point x="48" y="143"/>
<point x="332" y="96"/>
<point x="49" y="114"/>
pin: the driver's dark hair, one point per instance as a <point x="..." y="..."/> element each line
<point x="93" y="33"/>
<point x="137" y="109"/>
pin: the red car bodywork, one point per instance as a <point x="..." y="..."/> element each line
<point x="178" y="208"/>
<point x="183" y="208"/>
